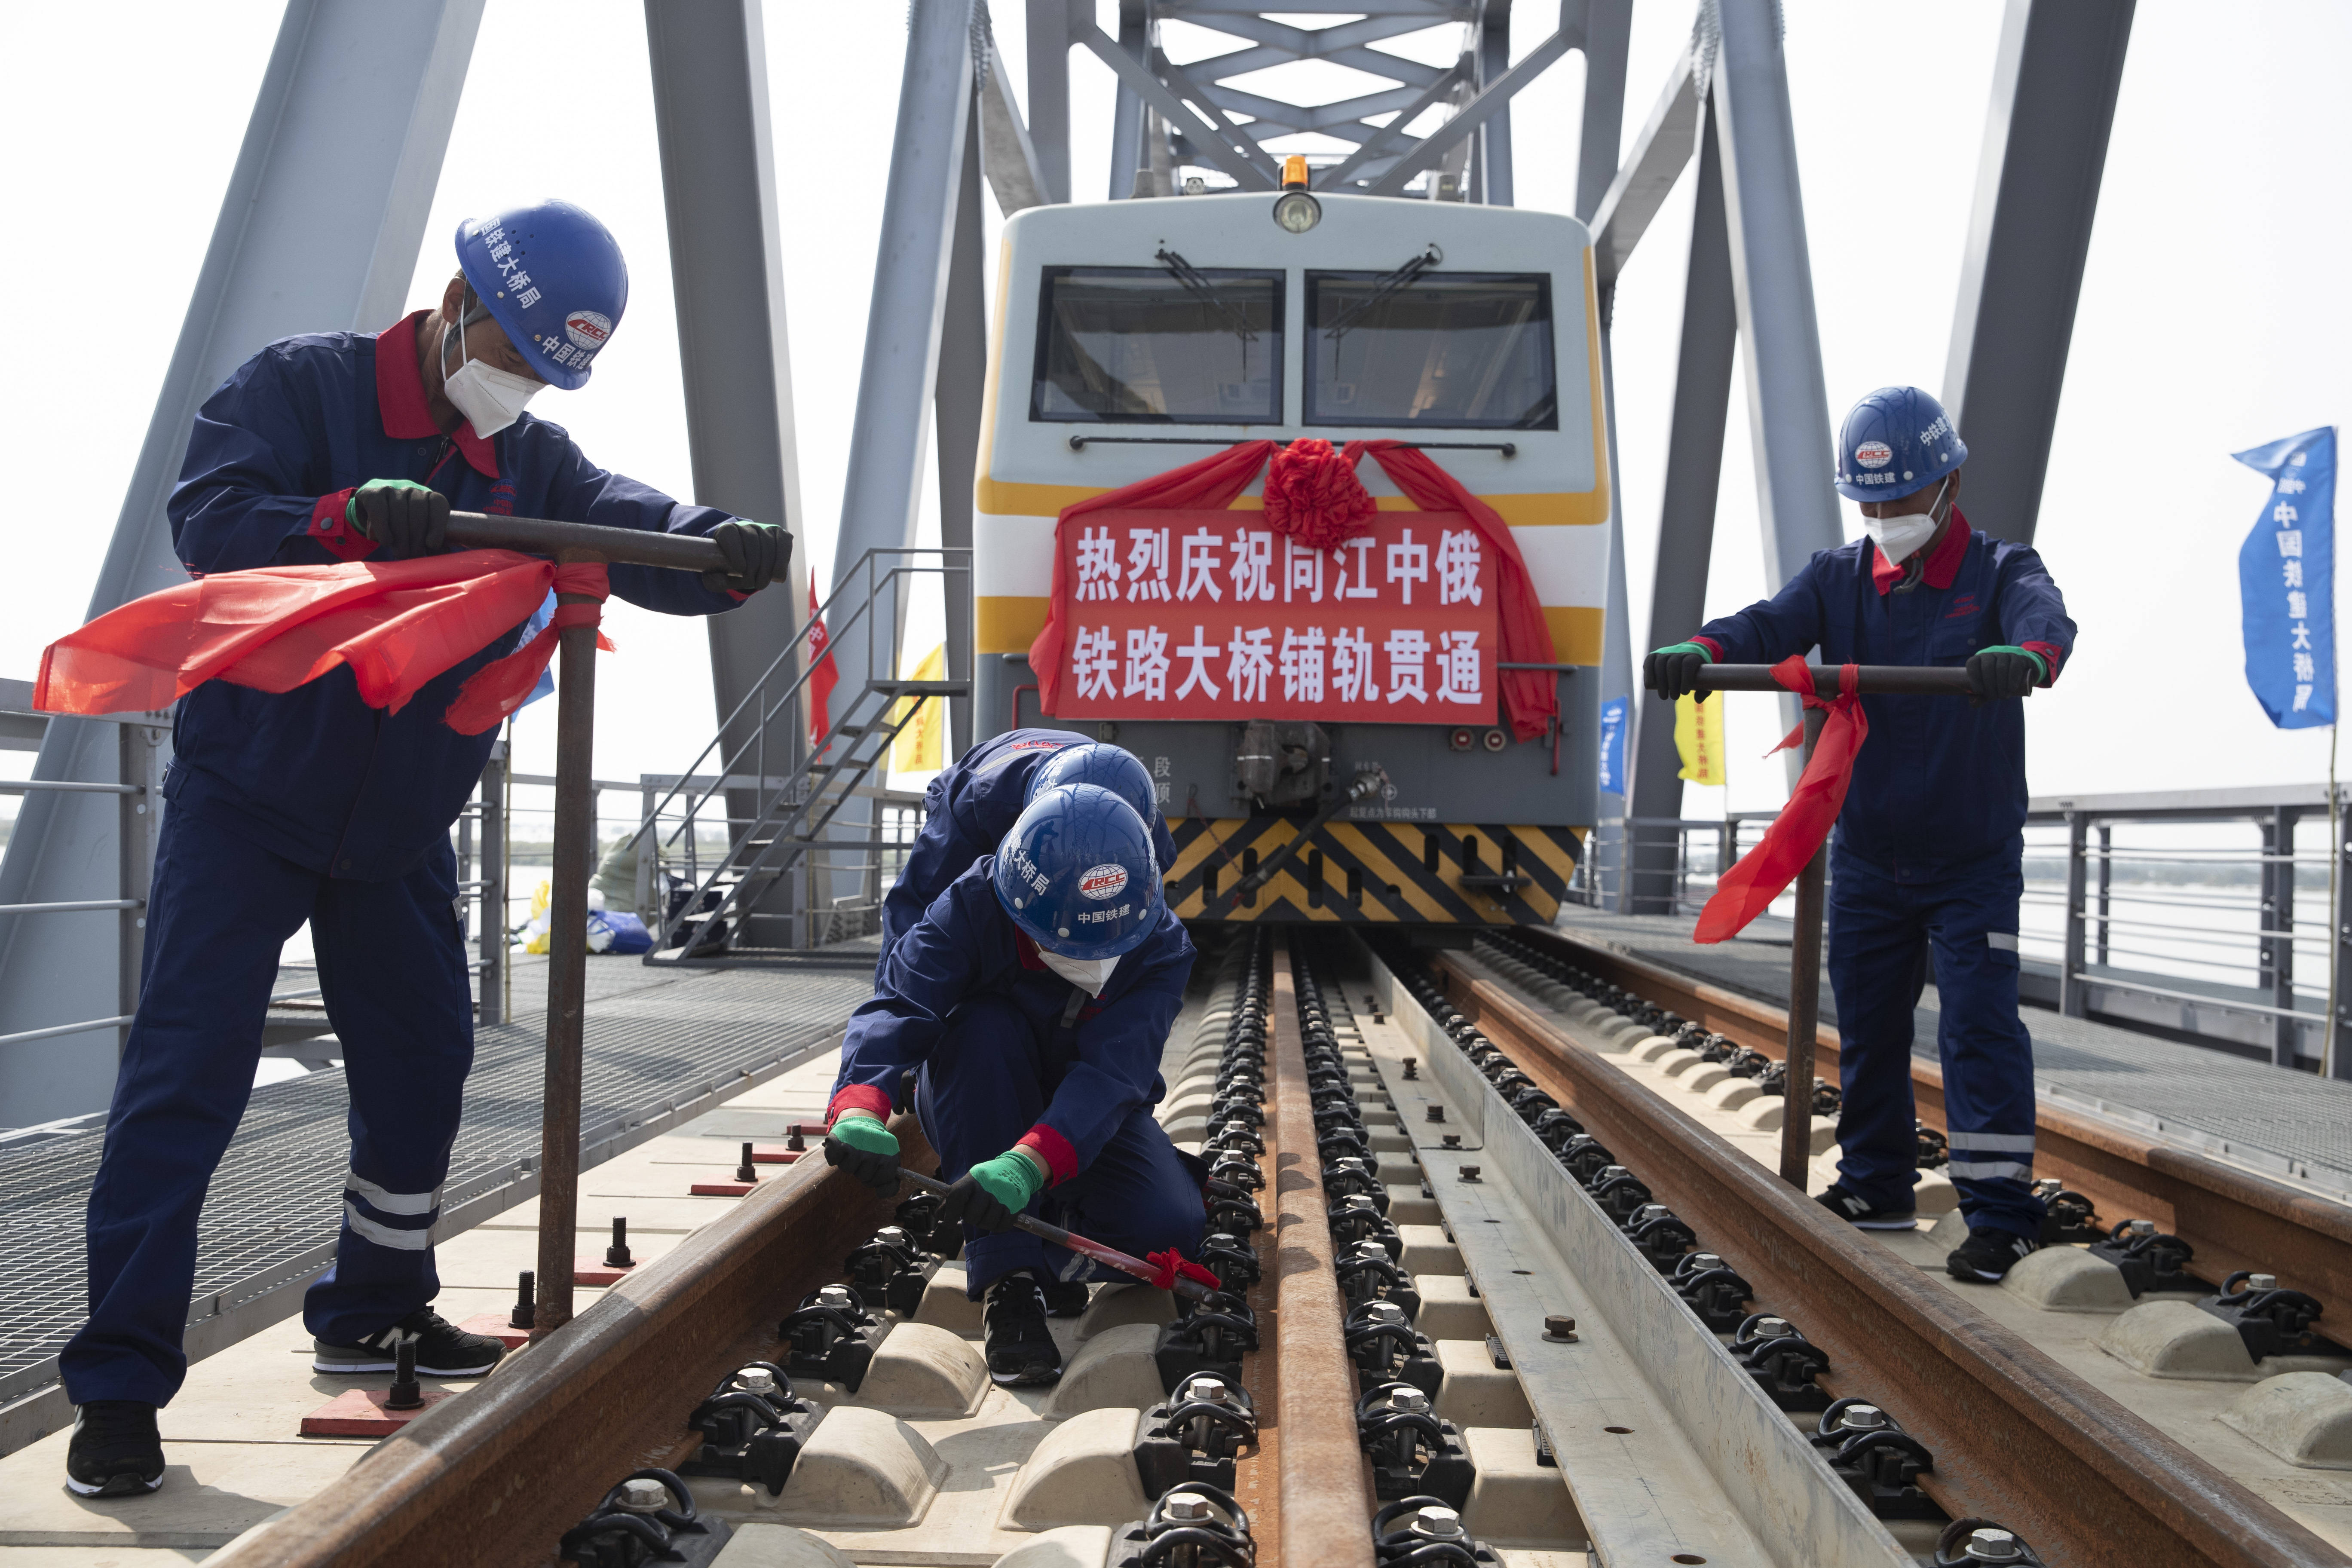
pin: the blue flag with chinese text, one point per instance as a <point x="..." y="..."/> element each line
<point x="1613" y="714"/>
<point x="2286" y="577"/>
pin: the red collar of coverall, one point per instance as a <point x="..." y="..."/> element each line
<point x="1941" y="567"/>
<point x="400" y="394"/>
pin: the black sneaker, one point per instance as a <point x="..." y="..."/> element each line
<point x="115" y="1450"/>
<point x="1065" y="1298"/>
<point x="1988" y="1254"/>
<point x="443" y="1349"/>
<point x="1862" y="1214"/>
<point x="1021" y="1349"/>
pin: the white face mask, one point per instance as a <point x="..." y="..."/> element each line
<point x="1901" y="537"/>
<point x="1089" y="976"/>
<point x="488" y="397"/>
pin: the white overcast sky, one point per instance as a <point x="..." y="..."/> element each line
<point x="2214" y="315"/>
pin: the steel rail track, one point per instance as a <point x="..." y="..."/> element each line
<point x="2235" y="1218"/>
<point x="493" y="1479"/>
<point x="2016" y="1436"/>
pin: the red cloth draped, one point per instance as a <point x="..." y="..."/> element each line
<point x="1174" y="1265"/>
<point x="1796" y="833"/>
<point x="397" y="623"/>
<point x="1531" y="697"/>
<point x="1313" y="495"/>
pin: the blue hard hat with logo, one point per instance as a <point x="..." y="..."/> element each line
<point x="1896" y="441"/>
<point x="1115" y="768"/>
<point x="1077" y="874"/>
<point x="553" y="278"/>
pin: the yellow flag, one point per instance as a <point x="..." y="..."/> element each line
<point x="921" y="746"/>
<point x="1698" y="736"/>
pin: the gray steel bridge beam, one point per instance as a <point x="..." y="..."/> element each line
<point x="1702" y="407"/>
<point x="1127" y="111"/>
<point x="719" y="189"/>
<point x="1493" y="63"/>
<point x="958" y="392"/>
<point x="319" y="232"/>
<point x="2045" y="148"/>
<point x="1048" y="50"/>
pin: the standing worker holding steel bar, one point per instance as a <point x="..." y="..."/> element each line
<point x="1927" y="854"/>
<point x="308" y="804"/>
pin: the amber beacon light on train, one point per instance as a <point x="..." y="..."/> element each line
<point x="1325" y="725"/>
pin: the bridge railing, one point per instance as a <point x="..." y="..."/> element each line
<point x="2198" y="915"/>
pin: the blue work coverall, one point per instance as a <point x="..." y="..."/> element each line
<point x="1010" y="1052"/>
<point x="967" y="812"/>
<point x="310" y="806"/>
<point x="1927" y="850"/>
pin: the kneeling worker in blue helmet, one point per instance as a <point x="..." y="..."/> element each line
<point x="1034" y="998"/>
<point x="307" y="806"/>
<point x="972" y="806"/>
<point x="1927" y="858"/>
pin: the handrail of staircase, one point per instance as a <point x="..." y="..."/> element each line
<point x="865" y="564"/>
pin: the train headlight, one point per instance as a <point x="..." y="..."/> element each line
<point x="1297" y="212"/>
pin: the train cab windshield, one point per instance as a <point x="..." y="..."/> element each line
<point x="1468" y="351"/>
<point x="1165" y="344"/>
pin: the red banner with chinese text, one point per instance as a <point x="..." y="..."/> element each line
<point x="1199" y="614"/>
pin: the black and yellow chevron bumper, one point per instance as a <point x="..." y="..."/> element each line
<point x="1373" y="872"/>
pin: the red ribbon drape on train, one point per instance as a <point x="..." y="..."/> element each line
<point x="1749" y="888"/>
<point x="397" y="623"/>
<point x="1531" y="697"/>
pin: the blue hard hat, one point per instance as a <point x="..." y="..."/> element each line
<point x="1897" y="440"/>
<point x="1076" y="872"/>
<point x="1115" y="768"/>
<point x="552" y="277"/>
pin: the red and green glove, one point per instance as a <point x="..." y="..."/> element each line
<point x="859" y="1143"/>
<point x="1672" y="671"/>
<point x="405" y="518"/>
<point x="994" y="1192"/>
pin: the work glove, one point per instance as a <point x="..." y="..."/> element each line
<point x="2004" y="672"/>
<point x="1672" y="671"/>
<point x="993" y="1192"/>
<point x="405" y="518"/>
<point x="756" y="553"/>
<point x="859" y="1144"/>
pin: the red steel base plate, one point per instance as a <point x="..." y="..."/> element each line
<point x="359" y="1412"/>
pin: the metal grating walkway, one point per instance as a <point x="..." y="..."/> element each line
<point x="2282" y="1123"/>
<point x="662" y="1042"/>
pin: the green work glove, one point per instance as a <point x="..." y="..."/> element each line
<point x="1672" y="671"/>
<point x="994" y="1190"/>
<point x="2005" y="670"/>
<point x="404" y="518"/>
<point x="859" y="1144"/>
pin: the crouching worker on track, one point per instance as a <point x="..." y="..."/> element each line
<point x="1034" y="997"/>
<point x="972" y="806"/>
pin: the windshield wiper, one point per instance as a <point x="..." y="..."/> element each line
<point x="1386" y="284"/>
<point x="1196" y="283"/>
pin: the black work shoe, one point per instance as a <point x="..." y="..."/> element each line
<point x="1021" y="1349"/>
<point x="1862" y="1214"/>
<point x="1065" y="1298"/>
<point x="115" y="1451"/>
<point x="443" y="1349"/>
<point x="1988" y="1254"/>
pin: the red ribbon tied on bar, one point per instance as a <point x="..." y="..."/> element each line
<point x="397" y="623"/>
<point x="1172" y="1263"/>
<point x="1749" y="888"/>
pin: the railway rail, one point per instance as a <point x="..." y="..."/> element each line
<point x="1487" y="1300"/>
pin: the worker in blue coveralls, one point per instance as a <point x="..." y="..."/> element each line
<point x="310" y="806"/>
<point x="972" y="806"/>
<point x="1927" y="854"/>
<point x="1035" y="996"/>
